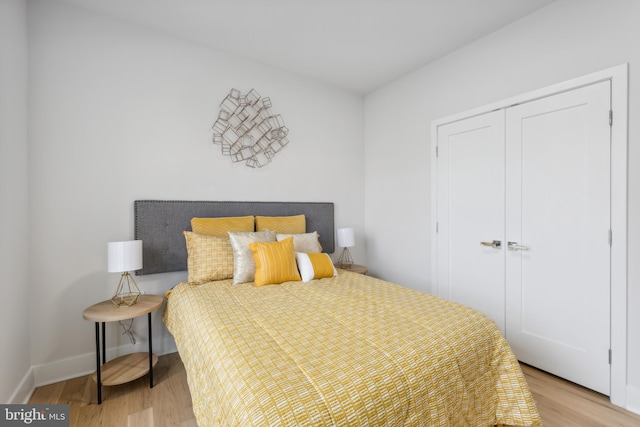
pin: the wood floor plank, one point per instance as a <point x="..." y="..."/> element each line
<point x="142" y="418"/>
<point x="168" y="403"/>
<point x="564" y="404"/>
<point x="47" y="394"/>
<point x="177" y="411"/>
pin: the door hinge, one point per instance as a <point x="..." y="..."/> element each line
<point x="437" y="227"/>
<point x="609" y="356"/>
<point x="610" y="117"/>
<point x="610" y="238"/>
<point x="437" y="154"/>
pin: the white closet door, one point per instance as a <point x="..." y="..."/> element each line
<point x="558" y="211"/>
<point x="470" y="210"/>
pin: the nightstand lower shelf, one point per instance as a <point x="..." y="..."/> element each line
<point x="125" y="368"/>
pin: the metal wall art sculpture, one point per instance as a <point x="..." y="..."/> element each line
<point x="247" y="130"/>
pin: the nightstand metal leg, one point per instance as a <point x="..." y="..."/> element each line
<point x="104" y="344"/>
<point x="98" y="378"/>
<point x="150" y="354"/>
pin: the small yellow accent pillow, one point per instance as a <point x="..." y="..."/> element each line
<point x="315" y="266"/>
<point x="275" y="262"/>
<point x="208" y="258"/>
<point x="220" y="227"/>
<point x="295" y="224"/>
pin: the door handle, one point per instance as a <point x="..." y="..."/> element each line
<point x="514" y="246"/>
<point x="495" y="244"/>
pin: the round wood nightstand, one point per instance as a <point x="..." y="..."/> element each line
<point x="355" y="268"/>
<point x="132" y="366"/>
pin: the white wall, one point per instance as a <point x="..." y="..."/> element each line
<point x="120" y="113"/>
<point x="14" y="214"/>
<point x="567" y="39"/>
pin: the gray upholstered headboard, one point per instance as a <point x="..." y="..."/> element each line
<point x="160" y="223"/>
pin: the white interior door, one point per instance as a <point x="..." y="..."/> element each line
<point x="558" y="211"/>
<point x="470" y="210"/>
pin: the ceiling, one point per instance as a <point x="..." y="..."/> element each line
<point x="357" y="45"/>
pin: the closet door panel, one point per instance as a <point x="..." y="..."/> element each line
<point x="558" y="213"/>
<point x="470" y="210"/>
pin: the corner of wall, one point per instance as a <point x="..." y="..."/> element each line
<point x="633" y="399"/>
<point x="25" y="389"/>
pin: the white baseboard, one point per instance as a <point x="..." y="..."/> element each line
<point x="71" y="367"/>
<point x="77" y="366"/>
<point x="633" y="399"/>
<point x="25" y="388"/>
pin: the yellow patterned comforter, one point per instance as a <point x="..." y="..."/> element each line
<point x="352" y="350"/>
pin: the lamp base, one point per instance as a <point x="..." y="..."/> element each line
<point x="130" y="295"/>
<point x="345" y="260"/>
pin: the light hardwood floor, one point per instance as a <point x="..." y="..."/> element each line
<point x="168" y="403"/>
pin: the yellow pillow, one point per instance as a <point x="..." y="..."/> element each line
<point x="208" y="258"/>
<point x="295" y="224"/>
<point x="315" y="266"/>
<point x="220" y="227"/>
<point x="275" y="262"/>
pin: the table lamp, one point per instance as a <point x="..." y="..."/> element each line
<point x="124" y="257"/>
<point x="346" y="239"/>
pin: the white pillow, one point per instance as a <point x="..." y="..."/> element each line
<point x="315" y="266"/>
<point x="244" y="266"/>
<point x="307" y="242"/>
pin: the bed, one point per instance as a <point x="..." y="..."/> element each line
<point x="339" y="350"/>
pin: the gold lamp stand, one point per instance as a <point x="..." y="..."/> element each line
<point x="345" y="260"/>
<point x="128" y="296"/>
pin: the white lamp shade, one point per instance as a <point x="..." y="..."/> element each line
<point x="124" y="256"/>
<point x="346" y="238"/>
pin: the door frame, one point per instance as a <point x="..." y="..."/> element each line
<point x="618" y="76"/>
